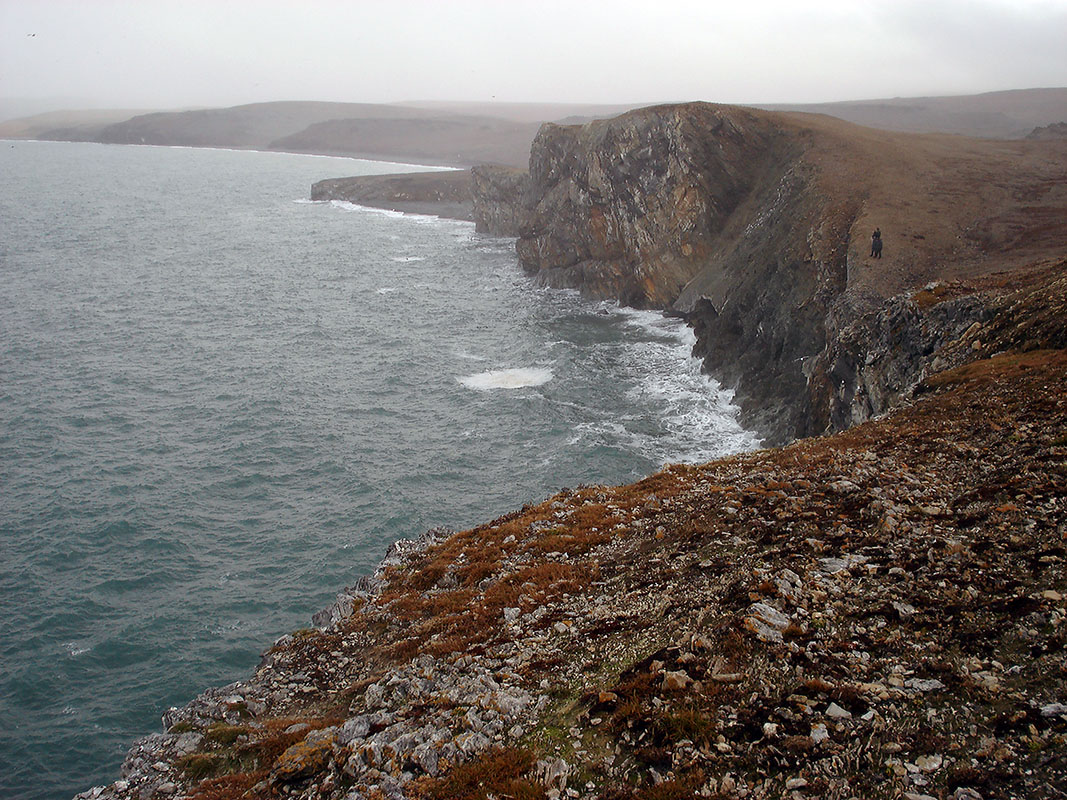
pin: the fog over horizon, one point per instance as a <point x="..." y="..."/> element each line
<point x="58" y="54"/>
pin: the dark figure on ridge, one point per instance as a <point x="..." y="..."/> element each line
<point x="876" y="243"/>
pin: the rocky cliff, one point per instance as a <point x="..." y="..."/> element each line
<point x="756" y="226"/>
<point x="444" y="194"/>
<point x="502" y="194"/>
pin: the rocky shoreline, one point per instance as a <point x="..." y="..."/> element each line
<point x="873" y="614"/>
<point x="754" y="227"/>
<point x="443" y="194"/>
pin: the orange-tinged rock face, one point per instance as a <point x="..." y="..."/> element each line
<point x="623" y="190"/>
<point x="306" y="757"/>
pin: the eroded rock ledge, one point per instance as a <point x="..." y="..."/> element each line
<point x="879" y="613"/>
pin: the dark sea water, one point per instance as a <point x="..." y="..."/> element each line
<point x="219" y="403"/>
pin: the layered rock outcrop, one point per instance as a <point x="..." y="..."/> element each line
<point x="756" y="227"/>
<point x="630" y="207"/>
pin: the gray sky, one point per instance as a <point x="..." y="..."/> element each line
<point x="164" y="54"/>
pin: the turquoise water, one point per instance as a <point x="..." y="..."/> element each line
<point x="219" y="403"/>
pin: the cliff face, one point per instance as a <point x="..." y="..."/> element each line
<point x="502" y="195"/>
<point x="630" y="207"/>
<point x="756" y="227"/>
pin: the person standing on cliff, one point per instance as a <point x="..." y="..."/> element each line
<point x="876" y="243"/>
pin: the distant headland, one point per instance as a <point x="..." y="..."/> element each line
<point x="465" y="134"/>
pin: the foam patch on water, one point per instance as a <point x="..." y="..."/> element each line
<point x="507" y="378"/>
<point x="689" y="417"/>
<point x="418" y="219"/>
<point x="467" y="356"/>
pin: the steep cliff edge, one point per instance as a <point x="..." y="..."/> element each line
<point x="876" y="614"/>
<point x="502" y="194"/>
<point x="756" y="226"/>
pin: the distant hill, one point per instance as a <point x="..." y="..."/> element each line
<point x="993" y="115"/>
<point x="78" y="126"/>
<point x="437" y="134"/>
<point x="454" y="141"/>
<point x="251" y="126"/>
<point x="564" y="113"/>
<point x="466" y="133"/>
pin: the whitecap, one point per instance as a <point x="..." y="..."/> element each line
<point x="387" y="290"/>
<point x="657" y="324"/>
<point x="344" y="205"/>
<point x="507" y="378"/>
<point x="466" y="356"/>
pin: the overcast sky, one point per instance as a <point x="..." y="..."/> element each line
<point x="164" y="54"/>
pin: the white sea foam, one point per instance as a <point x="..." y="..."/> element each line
<point x="418" y="219"/>
<point x="466" y="356"/>
<point x="689" y="417"/>
<point x="507" y="378"/>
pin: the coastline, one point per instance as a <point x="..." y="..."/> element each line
<point x="720" y="596"/>
<point x="734" y="628"/>
<point x="444" y="193"/>
<point x="416" y="167"/>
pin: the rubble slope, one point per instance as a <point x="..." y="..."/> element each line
<point x="874" y="614"/>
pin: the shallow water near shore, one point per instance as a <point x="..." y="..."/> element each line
<point x="219" y="403"/>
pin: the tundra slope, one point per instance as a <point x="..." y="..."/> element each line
<point x="756" y="226"/>
<point x="876" y="614"/>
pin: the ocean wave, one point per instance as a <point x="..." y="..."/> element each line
<point x="418" y="219"/>
<point x="507" y="378"/>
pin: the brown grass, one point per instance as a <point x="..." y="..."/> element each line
<point x="228" y="787"/>
<point x="497" y="773"/>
